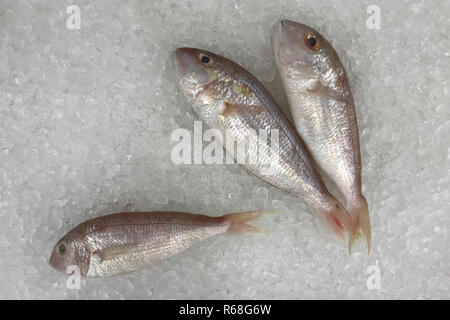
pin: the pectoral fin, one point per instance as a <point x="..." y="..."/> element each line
<point x="113" y="252"/>
<point x="315" y="86"/>
<point x="230" y="110"/>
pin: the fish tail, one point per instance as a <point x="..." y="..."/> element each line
<point x="239" y="221"/>
<point x="360" y="217"/>
<point x="339" y="222"/>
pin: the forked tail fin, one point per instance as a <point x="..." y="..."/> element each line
<point x="339" y="222"/>
<point x="360" y="217"/>
<point x="239" y="221"/>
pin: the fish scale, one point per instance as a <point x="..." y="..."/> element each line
<point x="124" y="242"/>
<point x="237" y="104"/>
<point x="324" y="114"/>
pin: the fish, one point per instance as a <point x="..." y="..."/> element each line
<point x="124" y="242"/>
<point x="230" y="99"/>
<point x="321" y="102"/>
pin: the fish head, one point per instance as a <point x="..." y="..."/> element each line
<point x="70" y="251"/>
<point x="202" y="75"/>
<point x="300" y="49"/>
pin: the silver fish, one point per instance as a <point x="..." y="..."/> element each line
<point x="123" y="242"/>
<point x="323" y="110"/>
<point x="230" y="99"/>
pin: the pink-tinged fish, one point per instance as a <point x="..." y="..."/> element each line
<point x="230" y="99"/>
<point x="123" y="242"/>
<point x="323" y="110"/>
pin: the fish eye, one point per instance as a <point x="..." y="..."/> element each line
<point x="62" y="248"/>
<point x="312" y="41"/>
<point x="204" y="59"/>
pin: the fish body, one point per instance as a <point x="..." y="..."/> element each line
<point x="230" y="99"/>
<point x="123" y="242"/>
<point x="322" y="106"/>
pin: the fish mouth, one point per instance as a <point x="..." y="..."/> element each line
<point x="284" y="22"/>
<point x="282" y="31"/>
<point x="56" y="263"/>
<point x="192" y="78"/>
<point x="280" y="42"/>
<point x="176" y="61"/>
<point x="183" y="57"/>
<point x="277" y="32"/>
<point x="287" y="24"/>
